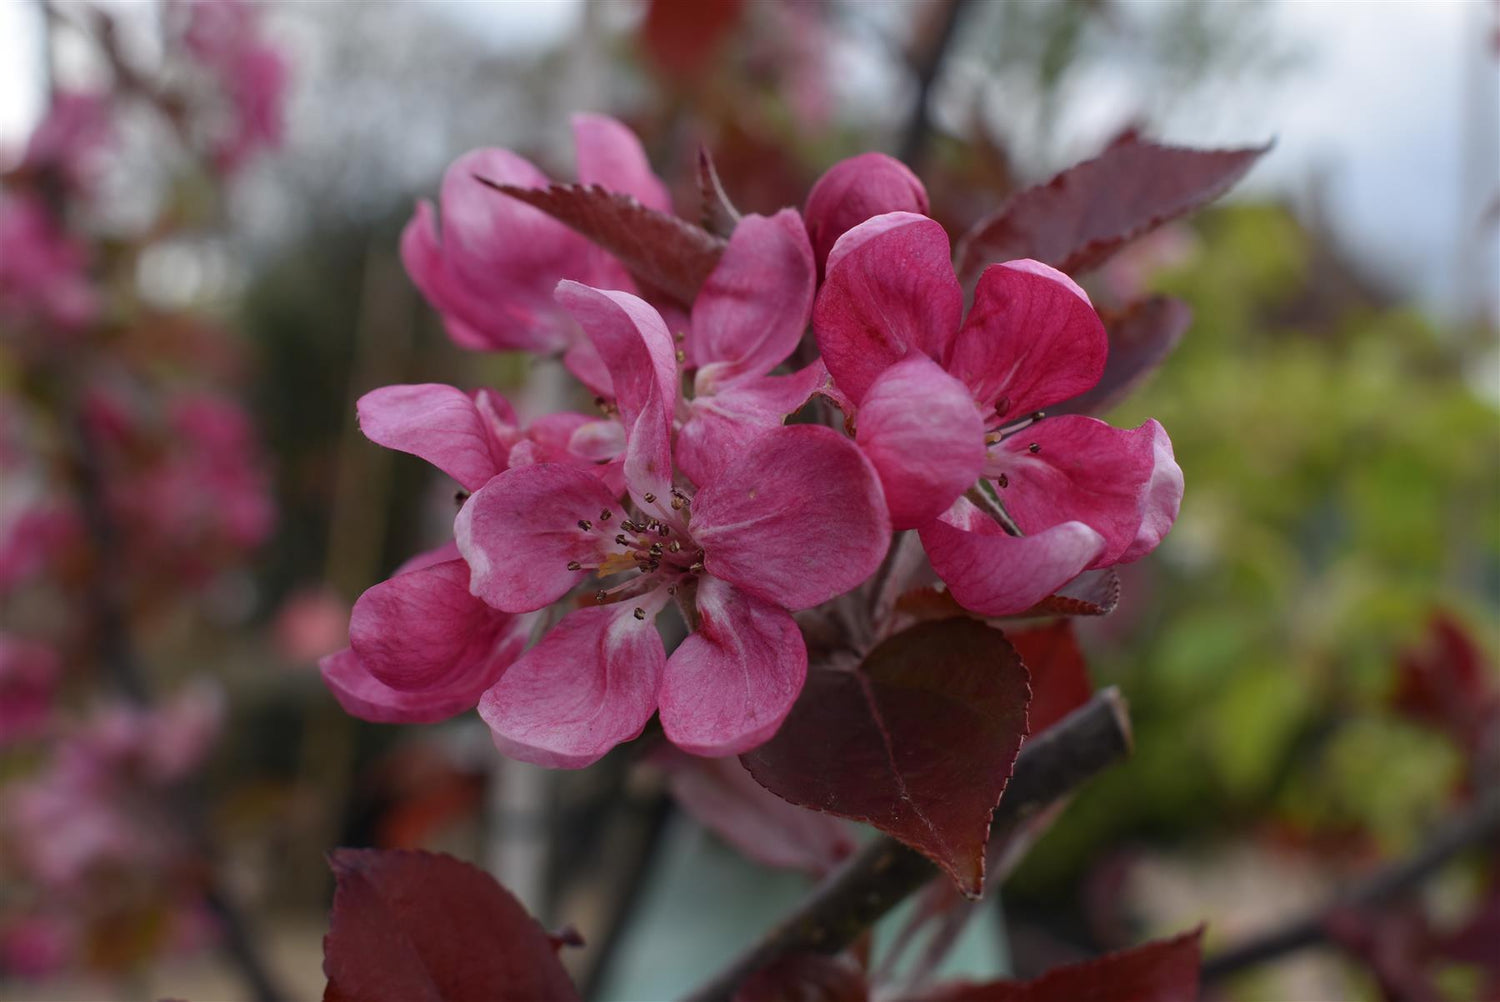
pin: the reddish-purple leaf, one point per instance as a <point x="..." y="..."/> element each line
<point x="722" y="796"/>
<point x="1162" y="971"/>
<point x="1059" y="677"/>
<point x="918" y="741"/>
<point x="424" y="927"/>
<point x="682" y="37"/>
<point x="1446" y="683"/>
<point x="665" y="254"/>
<point x="1083" y="215"/>
<point x="1141" y="336"/>
<point x="806" y="977"/>
<point x="717" y="213"/>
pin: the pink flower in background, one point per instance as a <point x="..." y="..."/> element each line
<point x="43" y="271"/>
<point x="748" y="318"/>
<point x="492" y="269"/>
<point x="943" y="400"/>
<point x="38" y="946"/>
<point x="311" y="623"/>
<point x="72" y="140"/>
<point x="786" y="523"/>
<point x="29" y="677"/>
<point x="223" y="35"/>
<point x="422" y="648"/>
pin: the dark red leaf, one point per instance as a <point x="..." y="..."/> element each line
<point x="1165" y="970"/>
<point x="806" y="977"/>
<point x="1059" y="678"/>
<point x="723" y="797"/>
<point x="1141" y="336"/>
<point x="1083" y="215"/>
<point x="682" y="37"/>
<point x="424" y="927"/>
<point x="1447" y="684"/>
<point x="664" y="253"/>
<point x="918" y="741"/>
<point x="716" y="212"/>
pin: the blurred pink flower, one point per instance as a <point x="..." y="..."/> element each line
<point x="72" y="140"/>
<point x="37" y="946"/>
<point x="43" y="271"/>
<point x="223" y="35"/>
<point x="29" y="677"/>
<point x="312" y="622"/>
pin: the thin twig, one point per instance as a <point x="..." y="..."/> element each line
<point x="919" y="125"/>
<point x="1478" y="825"/>
<point x="885" y="872"/>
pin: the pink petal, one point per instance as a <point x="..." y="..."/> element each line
<point x="752" y="311"/>
<point x="890" y="291"/>
<point x="589" y="685"/>
<point x="920" y="428"/>
<point x="610" y="155"/>
<point x="796" y="519"/>
<point x="995" y="574"/>
<point x="857" y="189"/>
<point x="441" y="424"/>
<point x="1123" y="484"/>
<point x="642" y="361"/>
<point x="1032" y="339"/>
<point x="363" y="695"/>
<point x="422" y="630"/>
<point x="720" y="425"/>
<point x="731" y="683"/>
<point x="422" y="255"/>
<point x="520" y="531"/>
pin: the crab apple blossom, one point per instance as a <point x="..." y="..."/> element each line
<point x="491" y="270"/>
<point x="891" y="327"/>
<point x="856" y="189"/>
<point x="791" y="520"/>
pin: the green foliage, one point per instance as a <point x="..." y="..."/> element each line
<point x="1341" y="482"/>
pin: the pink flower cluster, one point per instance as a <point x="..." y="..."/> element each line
<point x="693" y="492"/>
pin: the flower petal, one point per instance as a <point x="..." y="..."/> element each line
<point x="920" y="428"/>
<point x="856" y="189"/>
<point x="1032" y="339"/>
<point x="363" y="695"/>
<point x="589" y="685"/>
<point x="720" y="425"/>
<point x="422" y="630"/>
<point x="752" y="310"/>
<point x="890" y="291"/>
<point x="422" y="255"/>
<point x="520" y="531"/>
<point x="995" y="574"/>
<point x="610" y="155"/>
<point x="441" y="424"/>
<point x="642" y="361"/>
<point x="1123" y="483"/>
<point x="731" y="683"/>
<point x="796" y="519"/>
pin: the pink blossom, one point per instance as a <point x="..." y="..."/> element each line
<point x="891" y="326"/>
<point x="492" y="270"/>
<point x="223" y="35"/>
<point x="312" y="622"/>
<point x="43" y="271"/>
<point x="475" y="436"/>
<point x="29" y="676"/>
<point x="748" y="318"/>
<point x="37" y="946"/>
<point x="857" y="189"/>
<point x="421" y="647"/>
<point x="71" y="140"/>
<point x="792" y="520"/>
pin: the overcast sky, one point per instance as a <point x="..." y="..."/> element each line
<point x="1397" y="110"/>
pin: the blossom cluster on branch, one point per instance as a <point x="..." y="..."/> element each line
<point x="758" y="441"/>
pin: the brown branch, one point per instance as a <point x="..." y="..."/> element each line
<point x="885" y="872"/>
<point x="1478" y="825"/>
<point x="919" y="125"/>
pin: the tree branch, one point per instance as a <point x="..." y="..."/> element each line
<point x="886" y="872"/>
<point x="919" y="125"/>
<point x="1481" y="823"/>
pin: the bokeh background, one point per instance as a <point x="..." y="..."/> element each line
<point x="1335" y="407"/>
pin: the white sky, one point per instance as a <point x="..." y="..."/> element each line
<point x="1397" y="112"/>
